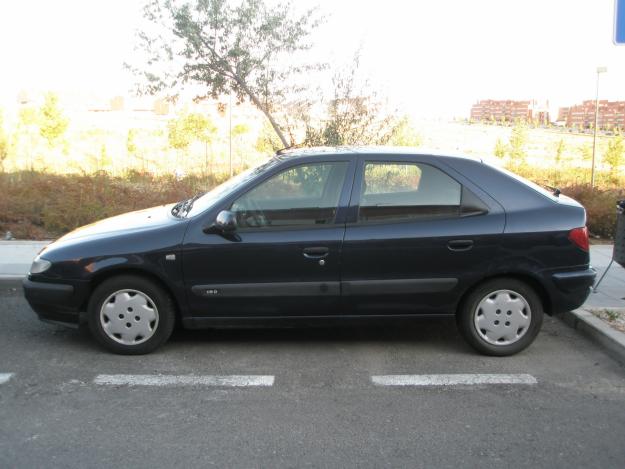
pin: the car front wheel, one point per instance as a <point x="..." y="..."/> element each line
<point x="501" y="317"/>
<point x="131" y="315"/>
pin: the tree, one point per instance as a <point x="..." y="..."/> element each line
<point x="246" y="49"/>
<point x="4" y="143"/>
<point x="178" y="134"/>
<point x="52" y="123"/>
<point x="404" y="135"/>
<point x="238" y="131"/>
<point x="102" y="160"/>
<point x="557" y="167"/>
<point x="131" y="144"/>
<point x="188" y="128"/>
<point x="614" y="154"/>
<point x="267" y="141"/>
<point x="585" y="152"/>
<point x="354" y="115"/>
<point x="560" y="149"/>
<point x="518" y="140"/>
<point x="132" y="148"/>
<point x="500" y="149"/>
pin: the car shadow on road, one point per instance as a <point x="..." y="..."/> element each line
<point x="439" y="332"/>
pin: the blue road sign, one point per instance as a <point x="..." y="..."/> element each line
<point x="619" y="22"/>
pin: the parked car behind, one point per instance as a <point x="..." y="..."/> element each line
<point x="336" y="234"/>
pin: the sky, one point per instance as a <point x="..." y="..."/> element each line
<point x="431" y="58"/>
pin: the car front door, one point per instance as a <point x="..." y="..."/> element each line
<point x="283" y="258"/>
<point x="417" y="234"/>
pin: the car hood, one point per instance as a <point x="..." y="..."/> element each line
<point x="139" y="220"/>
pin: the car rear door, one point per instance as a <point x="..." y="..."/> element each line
<point x="283" y="259"/>
<point x="417" y="235"/>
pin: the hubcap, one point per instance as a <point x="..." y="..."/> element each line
<point x="502" y="317"/>
<point x="129" y="317"/>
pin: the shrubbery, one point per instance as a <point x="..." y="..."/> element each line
<point x="37" y="205"/>
<point x="600" y="207"/>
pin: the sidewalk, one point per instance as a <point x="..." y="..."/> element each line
<point x="611" y="292"/>
<point x="16" y="256"/>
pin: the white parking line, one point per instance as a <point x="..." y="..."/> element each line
<point x="5" y="377"/>
<point x="452" y="380"/>
<point x="185" y="380"/>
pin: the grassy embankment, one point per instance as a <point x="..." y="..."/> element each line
<point x="39" y="204"/>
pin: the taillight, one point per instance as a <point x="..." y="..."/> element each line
<point x="579" y="237"/>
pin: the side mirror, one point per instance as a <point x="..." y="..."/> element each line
<point x="226" y="222"/>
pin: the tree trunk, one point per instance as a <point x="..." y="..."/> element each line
<point x="264" y="110"/>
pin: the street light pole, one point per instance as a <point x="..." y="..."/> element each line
<point x="230" y="135"/>
<point x="600" y="70"/>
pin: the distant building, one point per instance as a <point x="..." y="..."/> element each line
<point x="611" y="114"/>
<point x="510" y="110"/>
<point x="117" y="103"/>
<point x="161" y="107"/>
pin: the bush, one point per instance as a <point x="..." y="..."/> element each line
<point x="37" y="205"/>
<point x="600" y="207"/>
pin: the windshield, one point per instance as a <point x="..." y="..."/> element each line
<point x="210" y="198"/>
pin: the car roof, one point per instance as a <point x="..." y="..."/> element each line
<point x="368" y="150"/>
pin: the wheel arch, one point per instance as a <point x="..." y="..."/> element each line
<point x="100" y="277"/>
<point x="524" y="277"/>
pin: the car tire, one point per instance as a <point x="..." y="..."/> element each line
<point x="131" y="315"/>
<point x="500" y="317"/>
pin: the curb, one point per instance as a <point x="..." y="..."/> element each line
<point x="611" y="340"/>
<point x="11" y="282"/>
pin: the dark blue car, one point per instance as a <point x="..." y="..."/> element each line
<point x="333" y="234"/>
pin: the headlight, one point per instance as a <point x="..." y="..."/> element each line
<point x="39" y="265"/>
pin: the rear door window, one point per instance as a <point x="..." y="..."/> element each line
<point x="404" y="191"/>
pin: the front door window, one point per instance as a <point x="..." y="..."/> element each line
<point x="304" y="195"/>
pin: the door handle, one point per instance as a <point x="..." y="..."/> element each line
<point x="316" y="252"/>
<point x="460" y="245"/>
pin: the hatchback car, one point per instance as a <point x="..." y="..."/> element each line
<point x="334" y="234"/>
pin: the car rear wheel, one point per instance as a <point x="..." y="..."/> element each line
<point x="131" y="315"/>
<point x="501" y="317"/>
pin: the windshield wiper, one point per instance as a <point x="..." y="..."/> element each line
<point x="182" y="208"/>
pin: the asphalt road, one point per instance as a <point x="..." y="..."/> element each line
<point x="321" y="411"/>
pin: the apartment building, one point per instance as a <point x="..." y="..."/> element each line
<point x="511" y="110"/>
<point x="611" y="114"/>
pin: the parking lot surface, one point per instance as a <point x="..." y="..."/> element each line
<point x="413" y="395"/>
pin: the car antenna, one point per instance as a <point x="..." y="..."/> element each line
<point x="283" y="151"/>
<point x="555" y="190"/>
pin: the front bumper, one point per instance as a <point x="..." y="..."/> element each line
<point x="56" y="302"/>
<point x="571" y="289"/>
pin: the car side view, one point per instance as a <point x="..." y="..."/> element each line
<point x="331" y="233"/>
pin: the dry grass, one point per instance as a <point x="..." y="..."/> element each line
<point x="38" y="205"/>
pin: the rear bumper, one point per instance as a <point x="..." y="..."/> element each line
<point x="56" y="302"/>
<point x="571" y="289"/>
